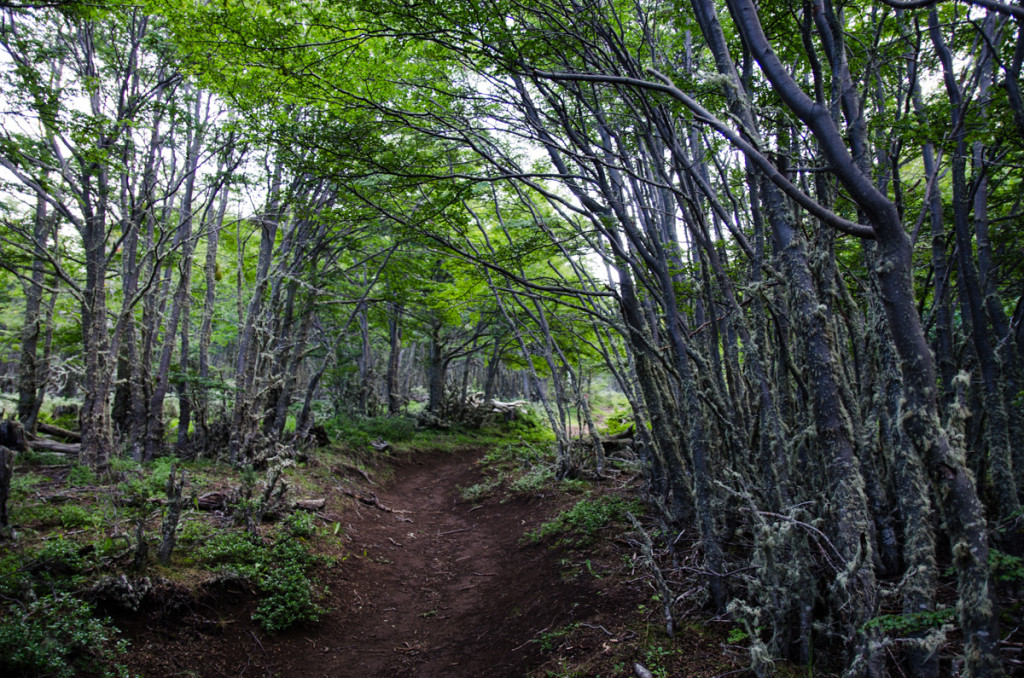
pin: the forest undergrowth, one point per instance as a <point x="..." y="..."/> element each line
<point x="93" y="560"/>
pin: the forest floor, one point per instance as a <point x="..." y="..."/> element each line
<point x="427" y="583"/>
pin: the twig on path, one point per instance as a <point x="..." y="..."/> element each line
<point x="485" y="574"/>
<point x="355" y="469"/>
<point x="395" y="542"/>
<point x="465" y="529"/>
<point x="371" y="501"/>
<point x="532" y="640"/>
<point x="258" y="642"/>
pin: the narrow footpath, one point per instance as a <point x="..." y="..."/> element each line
<point x="438" y="586"/>
<point x="425" y="585"/>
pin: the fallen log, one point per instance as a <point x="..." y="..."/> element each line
<point x="50" y="429"/>
<point x="311" y="505"/>
<point x="54" y="446"/>
<point x="504" y="407"/>
<point x="381" y="446"/>
<point x="213" y="501"/>
<point x="621" y="435"/>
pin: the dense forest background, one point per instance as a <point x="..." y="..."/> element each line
<point x="788" y="233"/>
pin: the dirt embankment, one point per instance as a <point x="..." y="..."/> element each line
<point x="435" y="587"/>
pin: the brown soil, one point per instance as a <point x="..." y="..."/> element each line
<point x="438" y="587"/>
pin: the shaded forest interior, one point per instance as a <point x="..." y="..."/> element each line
<point x="763" y="257"/>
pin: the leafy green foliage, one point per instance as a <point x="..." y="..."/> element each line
<point x="300" y="524"/>
<point x="581" y="523"/>
<point x="288" y="596"/>
<point x="526" y="424"/>
<point x="1006" y="567"/>
<point x="906" y="624"/>
<point x="280" y="571"/>
<point x="195" y="532"/>
<point x="618" y="421"/>
<point x="480" y="490"/>
<point x="360" y="431"/>
<point x="80" y="476"/>
<point x="57" y="636"/>
<point x="14" y="577"/>
<point x="69" y="516"/>
<point x="533" y="480"/>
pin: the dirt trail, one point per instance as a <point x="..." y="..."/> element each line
<point x="445" y="588"/>
<point x="438" y="587"/>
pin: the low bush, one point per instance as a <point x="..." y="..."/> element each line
<point x="57" y="636"/>
<point x="580" y="524"/>
<point x="533" y="480"/>
<point x="360" y="431"/>
<point x="280" y="571"/>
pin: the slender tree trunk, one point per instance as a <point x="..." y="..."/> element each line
<point x="210" y="274"/>
<point x="436" y="372"/>
<point x="243" y="420"/>
<point x="181" y="300"/>
<point x="30" y="374"/>
<point x="394" y="358"/>
<point x="1000" y="458"/>
<point x="97" y="444"/>
<point x="365" y="364"/>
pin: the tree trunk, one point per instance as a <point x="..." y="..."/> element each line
<point x="436" y="369"/>
<point x="210" y="274"/>
<point x="394" y="358"/>
<point x="244" y="417"/>
<point x="30" y="375"/>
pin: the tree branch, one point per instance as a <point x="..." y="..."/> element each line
<point x="702" y="114"/>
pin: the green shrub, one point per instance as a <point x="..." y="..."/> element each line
<point x="618" y="421"/>
<point x="230" y="548"/>
<point x="288" y="597"/>
<point x="120" y="464"/>
<point x="57" y="636"/>
<point x="59" y="565"/>
<point x="80" y="476"/>
<point x="61" y="554"/>
<point x="516" y="455"/>
<point x="533" y="480"/>
<point x="581" y="523"/>
<point x="360" y="431"/>
<point x="68" y="516"/>
<point x="1006" y="567"/>
<point x="14" y="578"/>
<point x="280" y="572"/>
<point x="480" y="490"/>
<point x="300" y="524"/>
<point x="195" y="531"/>
<point x="22" y="484"/>
<point x="33" y="457"/>
<point x="75" y="516"/>
<point x="906" y="624"/>
<point x="158" y="470"/>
